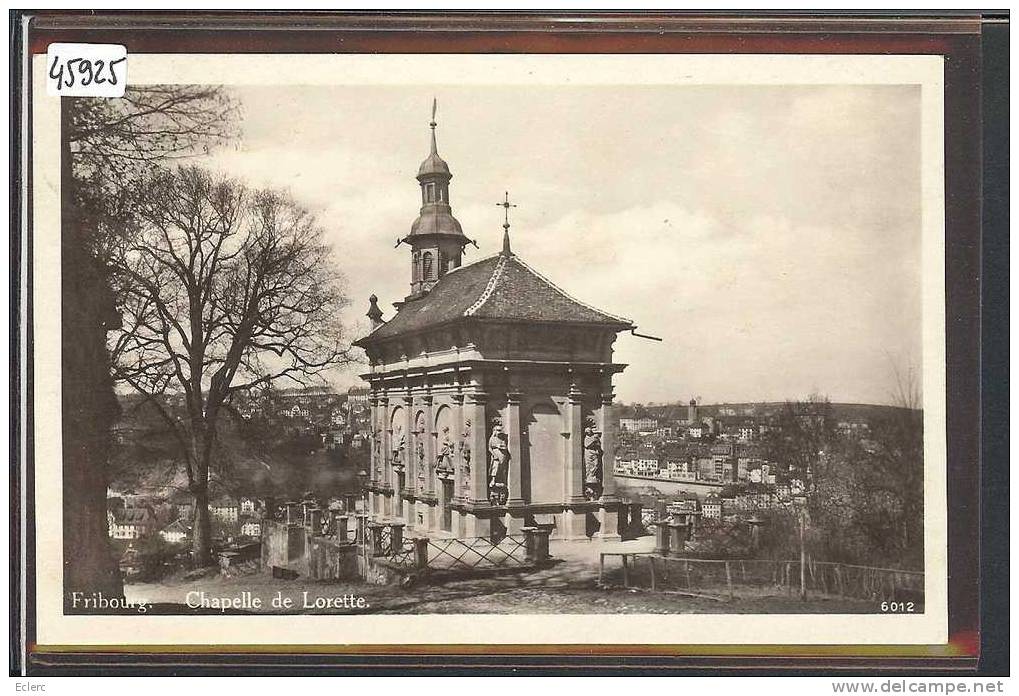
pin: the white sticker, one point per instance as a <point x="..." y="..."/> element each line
<point x="86" y="70"/>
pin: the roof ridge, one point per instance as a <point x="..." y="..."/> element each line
<point x="448" y="273"/>
<point x="568" y="295"/>
<point x="489" y="287"/>
<point x="473" y="263"/>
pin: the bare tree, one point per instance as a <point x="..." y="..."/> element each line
<point x="224" y="290"/>
<point x="106" y="145"/>
<point x="894" y="467"/>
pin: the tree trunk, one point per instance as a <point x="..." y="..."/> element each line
<point x="89" y="406"/>
<point x="201" y="547"/>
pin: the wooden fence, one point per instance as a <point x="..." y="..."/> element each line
<point x="726" y="578"/>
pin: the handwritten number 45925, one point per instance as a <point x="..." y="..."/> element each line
<point x="89" y="72"/>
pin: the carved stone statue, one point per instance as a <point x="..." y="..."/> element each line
<point x="444" y="457"/>
<point x="498" y="452"/>
<point x="377" y="452"/>
<point x="465" y="457"/>
<point x="592" y="460"/>
<point x="399" y="444"/>
<point x="420" y="452"/>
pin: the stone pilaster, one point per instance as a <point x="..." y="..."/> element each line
<point x="514" y="474"/>
<point x="608" y="514"/>
<point x="458" y="459"/>
<point x="574" y="522"/>
<point x="429" y="436"/>
<point x="474" y="409"/>
<point x="574" y="432"/>
<point x="385" y="434"/>
<point x="607" y="427"/>
<point x="408" y="459"/>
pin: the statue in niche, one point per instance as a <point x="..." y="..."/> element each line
<point x="420" y="452"/>
<point x="399" y="444"/>
<point x="592" y="460"/>
<point x="444" y="457"/>
<point x="498" y="451"/>
<point x="377" y="452"/>
<point x="465" y="455"/>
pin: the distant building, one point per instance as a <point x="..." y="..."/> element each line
<point x="251" y="527"/>
<point x="131" y="523"/>
<point x="638" y="425"/>
<point x="712" y="507"/>
<point x="296" y="411"/>
<point x="175" y="532"/>
<point x="225" y="509"/>
<point x="249" y="506"/>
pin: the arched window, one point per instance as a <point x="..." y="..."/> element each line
<point x="430" y="192"/>
<point x="415" y="271"/>
<point x="427" y="269"/>
<point x="443" y="263"/>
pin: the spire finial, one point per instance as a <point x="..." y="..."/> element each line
<point x="374" y="313"/>
<point x="432" y="124"/>
<point x="506" y="205"/>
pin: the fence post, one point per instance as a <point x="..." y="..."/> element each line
<point x="728" y="579"/>
<point x="536" y="544"/>
<point x="374" y="532"/>
<point x="661" y="537"/>
<point x="626" y="572"/>
<point x="360" y="527"/>
<point x="654" y="584"/>
<point x="421" y="553"/>
<point x="395" y="537"/>
<point x="678" y="533"/>
<point x="341" y="528"/>
<point x="313" y="520"/>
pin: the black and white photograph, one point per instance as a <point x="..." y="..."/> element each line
<point x="439" y="335"/>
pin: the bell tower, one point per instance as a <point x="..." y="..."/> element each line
<point x="436" y="239"/>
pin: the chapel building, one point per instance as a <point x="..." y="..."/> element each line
<point x="490" y="391"/>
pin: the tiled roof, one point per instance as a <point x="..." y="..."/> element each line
<point x="500" y="287"/>
<point x="133" y="515"/>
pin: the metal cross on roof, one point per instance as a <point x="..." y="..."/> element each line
<point x="506" y="205"/>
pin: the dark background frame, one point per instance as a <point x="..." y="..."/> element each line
<point x="976" y="159"/>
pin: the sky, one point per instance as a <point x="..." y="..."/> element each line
<point x="770" y="235"/>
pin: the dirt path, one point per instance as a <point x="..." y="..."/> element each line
<point x="569" y="586"/>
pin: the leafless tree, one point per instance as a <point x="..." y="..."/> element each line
<point x="106" y="145"/>
<point x="224" y="290"/>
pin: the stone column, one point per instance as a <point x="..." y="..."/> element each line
<point x="514" y="474"/>
<point x="575" y="522"/>
<point x="428" y="485"/>
<point x="384" y="452"/>
<point x="608" y="514"/>
<point x="475" y="410"/>
<point x="409" y="477"/>
<point x="458" y="424"/>
<point x="575" y="445"/>
<point x="607" y="426"/>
